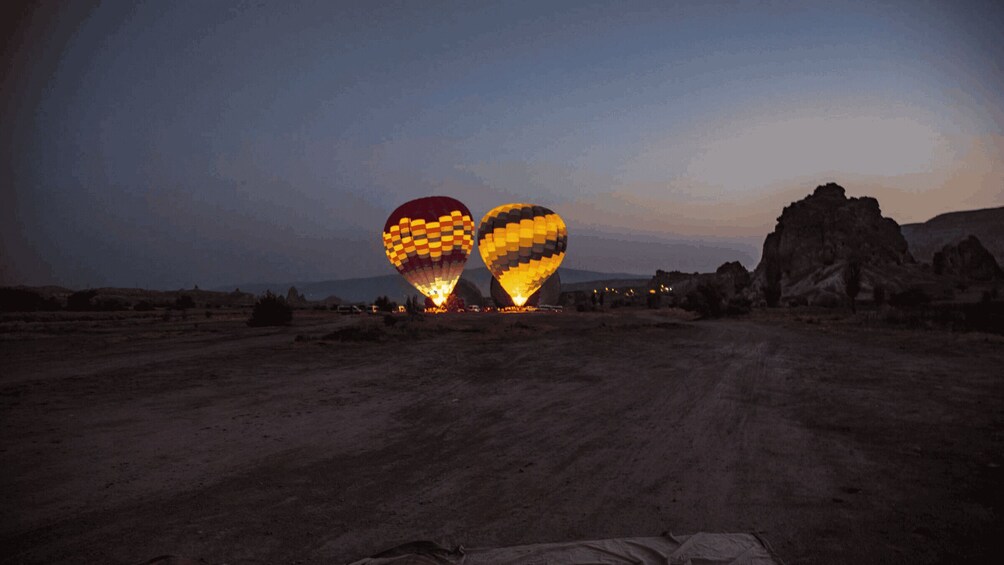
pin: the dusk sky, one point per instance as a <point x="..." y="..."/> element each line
<point x="167" y="144"/>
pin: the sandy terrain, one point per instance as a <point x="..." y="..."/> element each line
<point x="126" y="439"/>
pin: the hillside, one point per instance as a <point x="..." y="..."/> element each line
<point x="929" y="237"/>
<point x="394" y="286"/>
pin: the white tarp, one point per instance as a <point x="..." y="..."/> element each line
<point x="697" y="549"/>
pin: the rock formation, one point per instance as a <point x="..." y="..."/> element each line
<point x="929" y="237"/>
<point x="967" y="259"/>
<point x="804" y="258"/>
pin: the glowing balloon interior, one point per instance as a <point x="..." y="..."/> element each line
<point x="428" y="241"/>
<point x="522" y="245"/>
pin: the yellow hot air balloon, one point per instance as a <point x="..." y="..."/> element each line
<point x="428" y="241"/>
<point x="522" y="245"/>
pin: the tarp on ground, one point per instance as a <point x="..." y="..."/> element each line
<point x="697" y="549"/>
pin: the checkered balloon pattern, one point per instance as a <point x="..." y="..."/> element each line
<point x="522" y="245"/>
<point x="428" y="241"/>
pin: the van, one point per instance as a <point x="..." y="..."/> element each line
<point x="349" y="309"/>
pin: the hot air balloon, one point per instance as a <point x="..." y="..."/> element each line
<point x="548" y="293"/>
<point x="522" y="245"/>
<point x="428" y="241"/>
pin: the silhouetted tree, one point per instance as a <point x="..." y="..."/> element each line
<point x="271" y="310"/>
<point x="878" y="295"/>
<point x="705" y="300"/>
<point x="184" y="302"/>
<point x="911" y="297"/>
<point x="852" y="281"/>
<point x="653" y="300"/>
<point x="384" y="304"/>
<point x="772" y="289"/>
<point x="23" y="300"/>
<point x="81" y="300"/>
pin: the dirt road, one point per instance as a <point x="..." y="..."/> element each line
<point x="839" y="444"/>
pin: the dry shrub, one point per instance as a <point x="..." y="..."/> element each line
<point x="271" y="310"/>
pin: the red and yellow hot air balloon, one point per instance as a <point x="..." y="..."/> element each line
<point x="522" y="245"/>
<point x="428" y="241"/>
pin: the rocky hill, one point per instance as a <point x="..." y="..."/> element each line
<point x="967" y="259"/>
<point x="816" y="238"/>
<point x="927" y="238"/>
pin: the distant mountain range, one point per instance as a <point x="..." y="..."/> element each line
<point x="928" y="237"/>
<point x="394" y="286"/>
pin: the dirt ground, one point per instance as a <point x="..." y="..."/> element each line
<point x="125" y="439"/>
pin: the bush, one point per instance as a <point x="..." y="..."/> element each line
<point x="878" y="294"/>
<point x="143" y="306"/>
<point x="705" y="300"/>
<point x="183" y="302"/>
<point x="738" y="306"/>
<point x="112" y="304"/>
<point x="384" y="304"/>
<point x="22" y="300"/>
<point x="908" y="298"/>
<point x="271" y="310"/>
<point x="985" y="317"/>
<point x="852" y="281"/>
<point x="80" y="300"/>
<point x="772" y="295"/>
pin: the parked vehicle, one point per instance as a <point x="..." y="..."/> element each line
<point x="349" y="309"/>
<point x="473" y="308"/>
<point x="550" y="308"/>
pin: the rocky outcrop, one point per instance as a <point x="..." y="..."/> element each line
<point x="805" y="257"/>
<point x="294" y="297"/>
<point x="929" y="237"/>
<point x="967" y="259"/>
<point x="730" y="278"/>
<point x="709" y="293"/>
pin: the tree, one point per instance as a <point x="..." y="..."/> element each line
<point x="271" y="310"/>
<point x="81" y="300"/>
<point x="878" y="294"/>
<point x="772" y="290"/>
<point x="384" y="304"/>
<point x="852" y="281"/>
<point x="705" y="300"/>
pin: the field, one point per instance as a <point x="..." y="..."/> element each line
<point x="128" y="437"/>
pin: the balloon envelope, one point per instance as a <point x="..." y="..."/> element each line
<point x="522" y="245"/>
<point x="548" y="293"/>
<point x="428" y="241"/>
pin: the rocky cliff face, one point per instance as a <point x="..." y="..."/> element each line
<point x="967" y="259"/>
<point x="815" y="238"/>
